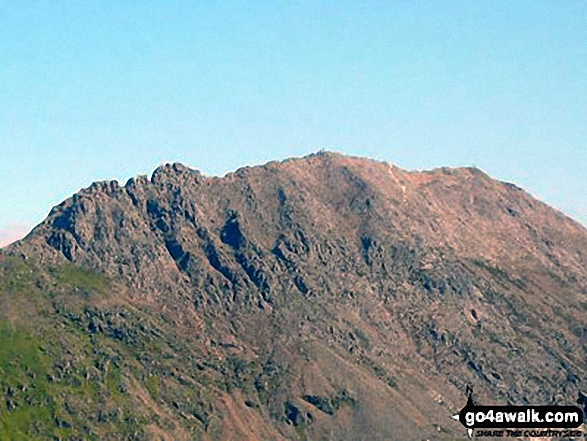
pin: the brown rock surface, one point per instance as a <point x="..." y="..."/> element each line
<point x="332" y="297"/>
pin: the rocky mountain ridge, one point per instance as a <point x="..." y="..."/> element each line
<point x="324" y="297"/>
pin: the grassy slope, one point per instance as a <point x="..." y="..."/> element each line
<point x="78" y="361"/>
<point x="62" y="376"/>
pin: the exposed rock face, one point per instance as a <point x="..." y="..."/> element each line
<point x="366" y="296"/>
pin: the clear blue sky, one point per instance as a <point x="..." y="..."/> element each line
<point x="110" y="89"/>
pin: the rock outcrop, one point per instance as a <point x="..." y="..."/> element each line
<point x="326" y="297"/>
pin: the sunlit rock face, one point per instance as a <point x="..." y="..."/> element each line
<point x="325" y="297"/>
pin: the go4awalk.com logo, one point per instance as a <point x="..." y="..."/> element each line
<point x="516" y="421"/>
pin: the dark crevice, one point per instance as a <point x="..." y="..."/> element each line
<point x="231" y="233"/>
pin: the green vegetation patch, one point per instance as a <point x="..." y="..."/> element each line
<point x="27" y="406"/>
<point x="75" y="277"/>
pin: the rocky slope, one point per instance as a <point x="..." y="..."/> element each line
<point x="326" y="297"/>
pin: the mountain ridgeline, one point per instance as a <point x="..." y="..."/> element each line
<point x="319" y="298"/>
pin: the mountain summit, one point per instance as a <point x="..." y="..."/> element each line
<point x="325" y="297"/>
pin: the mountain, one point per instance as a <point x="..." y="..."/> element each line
<point x="320" y="298"/>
